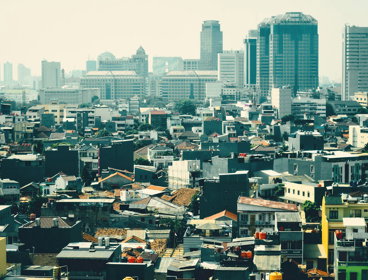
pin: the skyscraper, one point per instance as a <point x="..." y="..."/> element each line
<point x="211" y="44"/>
<point x="354" y="61"/>
<point x="287" y="50"/>
<point x="250" y="58"/>
<point x="231" y="67"/>
<point x="8" y="73"/>
<point x="51" y="74"/>
<point x="24" y="74"/>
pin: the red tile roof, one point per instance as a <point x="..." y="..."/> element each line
<point x="134" y="238"/>
<point x="156" y="188"/>
<point x="224" y="213"/>
<point x="267" y="203"/>
<point x="115" y="174"/>
<point x="158" y="113"/>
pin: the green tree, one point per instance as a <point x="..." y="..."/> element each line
<point x="145" y="127"/>
<point x="279" y="190"/>
<point x="86" y="176"/>
<point x="35" y="205"/>
<point x="186" y="107"/>
<point x="287" y="118"/>
<point x="311" y="211"/>
<point x="102" y="133"/>
<point x="365" y="149"/>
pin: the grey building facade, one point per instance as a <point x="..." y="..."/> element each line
<point x="211" y="44"/>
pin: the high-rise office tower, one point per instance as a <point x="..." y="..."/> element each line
<point x="231" y="67"/>
<point x="287" y="50"/>
<point x="91" y="65"/>
<point x="354" y="61"/>
<point x="8" y="73"/>
<point x="51" y="74"/>
<point x="250" y="58"/>
<point x="24" y="74"/>
<point x="211" y="44"/>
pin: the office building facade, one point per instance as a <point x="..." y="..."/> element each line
<point x="250" y="58"/>
<point x="181" y="85"/>
<point x="8" y="73"/>
<point x="211" y="44"/>
<point x="24" y="74"/>
<point x="137" y="62"/>
<point x="114" y="84"/>
<point x="231" y="67"/>
<point x="51" y="74"/>
<point x="287" y="50"/>
<point x="354" y="61"/>
<point x="191" y="64"/>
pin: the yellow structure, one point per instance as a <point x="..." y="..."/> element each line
<point x="361" y="98"/>
<point x="334" y="209"/>
<point x="2" y="256"/>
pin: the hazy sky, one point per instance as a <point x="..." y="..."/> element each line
<point x="71" y="31"/>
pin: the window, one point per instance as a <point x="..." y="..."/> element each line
<point x="244" y="217"/>
<point x="308" y="194"/>
<point x="288" y="190"/>
<point x="298" y="192"/>
<point x="353" y="276"/>
<point x="342" y="275"/>
<point x="334" y="214"/>
<point x="303" y="193"/>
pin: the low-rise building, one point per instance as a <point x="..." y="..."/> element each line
<point x="9" y="191"/>
<point x="182" y="173"/>
<point x="350" y="250"/>
<point x="49" y="234"/>
<point x="334" y="211"/>
<point x="256" y="214"/>
<point x="361" y="97"/>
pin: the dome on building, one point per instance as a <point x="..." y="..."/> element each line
<point x="141" y="51"/>
<point x="106" y="56"/>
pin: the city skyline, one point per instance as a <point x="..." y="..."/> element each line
<point x="83" y="35"/>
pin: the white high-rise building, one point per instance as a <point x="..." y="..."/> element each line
<point x="281" y="100"/>
<point x="354" y="61"/>
<point x="231" y="67"/>
<point x="8" y="73"/>
<point x="51" y="74"/>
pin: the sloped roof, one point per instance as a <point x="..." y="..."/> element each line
<point x="224" y="213"/>
<point x="116" y="174"/>
<point x="267" y="203"/>
<point x="117" y="233"/>
<point x="47" y="222"/>
<point x="182" y="197"/>
<point x="134" y="238"/>
<point x="156" y="188"/>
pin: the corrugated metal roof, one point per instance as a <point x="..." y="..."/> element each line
<point x="85" y="254"/>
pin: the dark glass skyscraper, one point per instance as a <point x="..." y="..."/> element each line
<point x="287" y="50"/>
<point x="211" y="44"/>
<point x="250" y="58"/>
